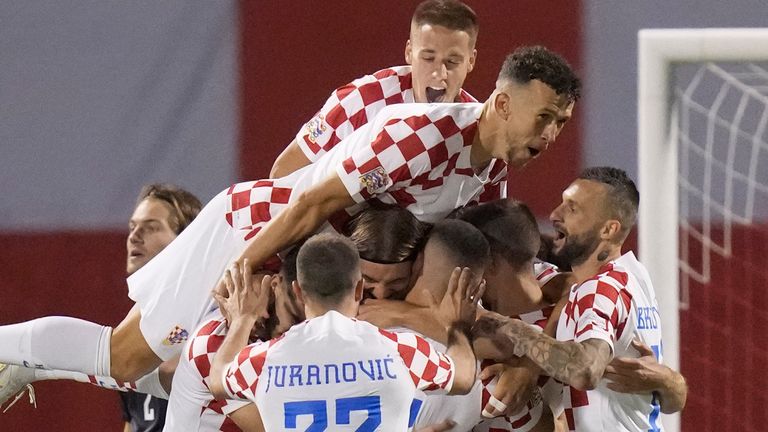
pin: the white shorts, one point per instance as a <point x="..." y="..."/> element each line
<point x="173" y="290"/>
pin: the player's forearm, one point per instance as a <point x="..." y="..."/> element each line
<point x="234" y="342"/>
<point x="673" y="392"/>
<point x="300" y="219"/>
<point x="573" y="363"/>
<point x="289" y="161"/>
<point x="464" y="361"/>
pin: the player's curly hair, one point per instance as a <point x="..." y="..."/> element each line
<point x="539" y="63"/>
<point x="451" y="14"/>
<point x="623" y="196"/>
<point x="183" y="204"/>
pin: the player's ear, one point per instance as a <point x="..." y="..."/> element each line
<point x="359" y="290"/>
<point x="472" y="60"/>
<point x="408" y="54"/>
<point x="611" y="229"/>
<point x="501" y="103"/>
<point x="297" y="291"/>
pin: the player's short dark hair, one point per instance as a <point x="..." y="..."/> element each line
<point x="510" y="228"/>
<point x="327" y="267"/>
<point x="465" y="244"/>
<point x="539" y="63"/>
<point x="184" y="205"/>
<point x="451" y="14"/>
<point x="387" y="234"/>
<point x="623" y="196"/>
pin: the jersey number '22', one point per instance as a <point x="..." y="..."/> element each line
<point x="318" y="409"/>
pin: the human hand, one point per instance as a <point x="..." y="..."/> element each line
<point x="245" y="298"/>
<point x="385" y="313"/>
<point x="288" y="309"/>
<point x="514" y="387"/>
<point x="637" y="375"/>
<point x="459" y="304"/>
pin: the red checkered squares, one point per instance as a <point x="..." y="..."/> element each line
<point x="429" y="368"/>
<point x="616" y="306"/>
<point x="192" y="406"/>
<point x="252" y="204"/>
<point x="351" y="106"/>
<point x="416" y="148"/>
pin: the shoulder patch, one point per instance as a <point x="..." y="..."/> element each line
<point x="375" y="181"/>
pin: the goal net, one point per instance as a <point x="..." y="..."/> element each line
<point x="703" y="156"/>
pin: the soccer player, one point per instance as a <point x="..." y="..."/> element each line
<point x="440" y="53"/>
<point x="613" y="304"/>
<point x="427" y="158"/>
<point x="162" y="211"/>
<point x="356" y="372"/>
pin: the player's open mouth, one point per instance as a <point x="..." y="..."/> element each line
<point x="135" y="253"/>
<point x="560" y="236"/>
<point x="534" y="151"/>
<point x="433" y="94"/>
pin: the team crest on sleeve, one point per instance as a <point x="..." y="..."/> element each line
<point x="176" y="336"/>
<point x="315" y="127"/>
<point x="375" y="181"/>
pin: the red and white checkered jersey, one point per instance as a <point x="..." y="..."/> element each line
<point x="351" y="106"/>
<point x="414" y="155"/>
<point x="191" y="406"/>
<point x="616" y="305"/>
<point x="336" y="372"/>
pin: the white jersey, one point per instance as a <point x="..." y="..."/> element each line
<point x="615" y="306"/>
<point x="336" y="373"/>
<point x="414" y="155"/>
<point x="191" y="406"/>
<point x="351" y="106"/>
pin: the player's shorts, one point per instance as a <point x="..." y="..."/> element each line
<point x="173" y="290"/>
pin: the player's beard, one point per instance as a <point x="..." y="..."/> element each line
<point x="577" y="248"/>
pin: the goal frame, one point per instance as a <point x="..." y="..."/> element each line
<point x="658" y="231"/>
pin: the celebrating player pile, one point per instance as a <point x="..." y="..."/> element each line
<point x="371" y="153"/>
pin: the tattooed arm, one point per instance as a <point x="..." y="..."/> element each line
<point x="579" y="364"/>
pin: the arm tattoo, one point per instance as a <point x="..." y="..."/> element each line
<point x="564" y="361"/>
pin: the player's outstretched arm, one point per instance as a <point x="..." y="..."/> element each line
<point x="300" y="219"/>
<point x="290" y="160"/>
<point x="457" y="311"/>
<point x="645" y="375"/>
<point x="579" y="364"/>
<point x="244" y="304"/>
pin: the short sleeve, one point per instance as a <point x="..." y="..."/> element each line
<point x="597" y="311"/>
<point x="544" y="271"/>
<point x="242" y="375"/>
<point x="430" y="370"/>
<point x="393" y="155"/>
<point x="347" y="109"/>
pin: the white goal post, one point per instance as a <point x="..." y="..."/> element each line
<point x="658" y="50"/>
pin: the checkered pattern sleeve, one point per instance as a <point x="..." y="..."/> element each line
<point x="600" y="307"/>
<point x="402" y="152"/>
<point x="352" y="106"/>
<point x="242" y="375"/>
<point x="430" y="370"/>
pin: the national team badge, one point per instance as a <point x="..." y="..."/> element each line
<point x="375" y="181"/>
<point x="178" y="335"/>
<point x="316" y="127"/>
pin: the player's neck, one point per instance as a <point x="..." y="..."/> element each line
<point x="346" y="308"/>
<point x="422" y="293"/>
<point x="591" y="266"/>
<point x="479" y="156"/>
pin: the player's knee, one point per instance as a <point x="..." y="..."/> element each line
<point x="130" y="356"/>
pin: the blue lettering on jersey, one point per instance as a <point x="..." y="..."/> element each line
<point x="647" y="318"/>
<point x="298" y="375"/>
